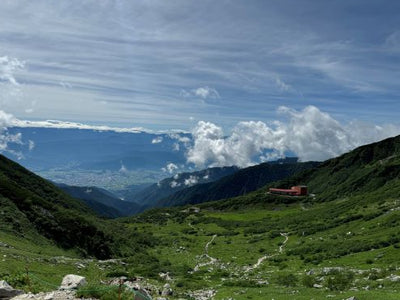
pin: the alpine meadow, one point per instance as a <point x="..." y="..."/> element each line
<point x="200" y="150"/>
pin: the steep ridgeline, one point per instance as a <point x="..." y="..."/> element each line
<point x="363" y="170"/>
<point x="102" y="201"/>
<point x="240" y="183"/>
<point x="367" y="174"/>
<point x="150" y="195"/>
<point x="33" y="208"/>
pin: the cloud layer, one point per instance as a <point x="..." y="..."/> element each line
<point x="124" y="63"/>
<point x="309" y="134"/>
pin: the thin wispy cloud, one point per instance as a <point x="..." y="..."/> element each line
<point x="122" y="63"/>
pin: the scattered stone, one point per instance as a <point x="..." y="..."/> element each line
<point x="80" y="266"/>
<point x="5" y="245"/>
<point x="167" y="291"/>
<point x="72" y="281"/>
<point x="310" y="272"/>
<point x="55" y="295"/>
<point x="352" y="298"/>
<point x="317" y="286"/>
<point x="7" y="291"/>
<point x="202" y="294"/>
<point x="394" y="278"/>
<point x="165" y="276"/>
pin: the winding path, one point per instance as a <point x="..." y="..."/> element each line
<point x="261" y="259"/>
<point x="212" y="260"/>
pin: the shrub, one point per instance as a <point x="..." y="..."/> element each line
<point x="286" y="280"/>
<point x="308" y="281"/>
<point x="340" y="280"/>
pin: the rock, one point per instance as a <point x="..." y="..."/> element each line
<point x="7" y="291"/>
<point x="394" y="278"/>
<point x="49" y="296"/>
<point x="167" y="291"/>
<point x="165" y="276"/>
<point x="317" y="286"/>
<point x="311" y="272"/>
<point x="352" y="298"/>
<point x="72" y="281"/>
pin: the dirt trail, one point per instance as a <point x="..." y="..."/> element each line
<point x="211" y="261"/>
<point x="261" y="259"/>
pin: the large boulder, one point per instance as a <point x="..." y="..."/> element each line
<point x="71" y="282"/>
<point x="7" y="291"/>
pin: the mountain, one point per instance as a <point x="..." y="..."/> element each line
<point x="102" y="201"/>
<point x="363" y="170"/>
<point x="239" y="183"/>
<point x="150" y="195"/>
<point x="343" y="239"/>
<point x="34" y="208"/>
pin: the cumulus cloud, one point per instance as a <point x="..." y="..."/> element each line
<point x="192" y="180"/>
<point x="310" y="134"/>
<point x="170" y="168"/>
<point x="174" y="184"/>
<point x="201" y="92"/>
<point x="157" y="140"/>
<point x="5" y="137"/>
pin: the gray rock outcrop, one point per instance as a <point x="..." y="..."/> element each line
<point x="71" y="282"/>
<point x="7" y="291"/>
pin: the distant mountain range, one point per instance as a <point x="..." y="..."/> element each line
<point x="102" y="201"/>
<point x="238" y="183"/>
<point x="168" y="186"/>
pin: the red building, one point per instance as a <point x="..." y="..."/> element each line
<point x="300" y="190"/>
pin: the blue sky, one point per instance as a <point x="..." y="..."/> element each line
<point x="169" y="64"/>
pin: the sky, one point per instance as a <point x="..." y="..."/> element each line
<point x="183" y="64"/>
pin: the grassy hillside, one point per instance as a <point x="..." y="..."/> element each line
<point x="340" y="243"/>
<point x="33" y="207"/>
<point x="102" y="201"/>
<point x="241" y="182"/>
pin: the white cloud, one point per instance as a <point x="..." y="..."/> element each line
<point x="157" y="140"/>
<point x="201" y="92"/>
<point x="206" y="92"/>
<point x="309" y="133"/>
<point x="9" y="86"/>
<point x="31" y="145"/>
<point x="282" y="86"/>
<point x="170" y="168"/>
<point x="8" y="68"/>
<point x="5" y="137"/>
<point x="192" y="180"/>
<point x="174" y="184"/>
<point x="72" y="125"/>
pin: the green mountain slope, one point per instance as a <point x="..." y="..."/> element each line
<point x="168" y="186"/>
<point x="32" y="207"/>
<point x="240" y="183"/>
<point x="101" y="201"/>
<point x="362" y="170"/>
